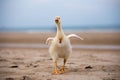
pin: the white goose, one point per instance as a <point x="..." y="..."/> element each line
<point x="60" y="46"/>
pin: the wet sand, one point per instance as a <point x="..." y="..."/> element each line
<point x="35" y="63"/>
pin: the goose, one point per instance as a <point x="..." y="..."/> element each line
<point x="60" y="46"/>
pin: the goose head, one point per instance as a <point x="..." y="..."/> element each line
<point x="57" y="20"/>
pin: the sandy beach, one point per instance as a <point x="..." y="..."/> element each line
<point x="92" y="37"/>
<point x="31" y="63"/>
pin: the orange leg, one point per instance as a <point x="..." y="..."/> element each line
<point x="56" y="71"/>
<point x="63" y="67"/>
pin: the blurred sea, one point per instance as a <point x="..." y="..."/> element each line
<point x="53" y="28"/>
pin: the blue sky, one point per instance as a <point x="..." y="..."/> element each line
<point x="25" y="13"/>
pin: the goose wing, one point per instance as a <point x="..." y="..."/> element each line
<point x="74" y="35"/>
<point x="49" y="40"/>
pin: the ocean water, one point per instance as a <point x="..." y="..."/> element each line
<point x="65" y="28"/>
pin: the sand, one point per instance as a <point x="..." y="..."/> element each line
<point x="100" y="38"/>
<point x="36" y="64"/>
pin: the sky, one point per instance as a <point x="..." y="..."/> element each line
<point x="25" y="13"/>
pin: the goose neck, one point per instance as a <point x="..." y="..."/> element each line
<point x="59" y="30"/>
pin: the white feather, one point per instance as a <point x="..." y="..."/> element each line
<point x="49" y="40"/>
<point x="74" y="35"/>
